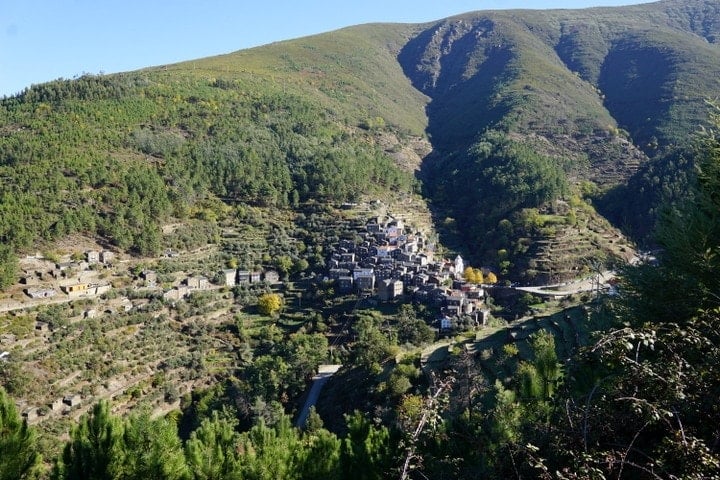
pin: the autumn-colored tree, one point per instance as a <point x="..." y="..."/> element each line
<point x="473" y="275"/>
<point x="491" y="278"/>
<point x="269" y="303"/>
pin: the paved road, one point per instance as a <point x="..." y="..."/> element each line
<point x="569" y="288"/>
<point x="324" y="373"/>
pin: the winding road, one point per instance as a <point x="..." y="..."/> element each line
<point x="324" y="373"/>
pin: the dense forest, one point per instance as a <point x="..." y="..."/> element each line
<point x="118" y="156"/>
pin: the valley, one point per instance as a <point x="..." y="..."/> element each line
<point x="445" y="216"/>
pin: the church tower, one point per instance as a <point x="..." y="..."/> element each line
<point x="459" y="265"/>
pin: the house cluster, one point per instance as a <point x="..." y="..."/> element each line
<point x="37" y="279"/>
<point x="392" y="262"/>
<point x="230" y="277"/>
<point x="235" y="277"/>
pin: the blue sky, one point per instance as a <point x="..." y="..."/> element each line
<point x="41" y="40"/>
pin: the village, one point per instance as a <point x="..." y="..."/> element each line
<point x="394" y="263"/>
<point x="382" y="258"/>
<point x="379" y="260"/>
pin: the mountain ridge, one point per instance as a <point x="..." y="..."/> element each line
<point x="596" y="92"/>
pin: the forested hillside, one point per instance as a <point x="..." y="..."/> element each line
<point x="598" y="95"/>
<point x="609" y="97"/>
<point x="241" y="194"/>
<point x="119" y="156"/>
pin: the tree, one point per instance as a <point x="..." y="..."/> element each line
<point x="269" y="303"/>
<point x="95" y="450"/>
<point x="300" y="265"/>
<point x="8" y="266"/>
<point x="540" y="378"/>
<point x="321" y="456"/>
<point x="19" y="456"/>
<point x="372" y="347"/>
<point x="284" y="263"/>
<point x="473" y="275"/>
<point x="412" y="329"/>
<point x="366" y="452"/>
<point x="153" y="449"/>
<point x="491" y="278"/>
<point x="212" y="450"/>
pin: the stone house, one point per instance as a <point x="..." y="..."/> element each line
<point x="75" y="289"/>
<point x="230" y="277"/>
<point x="40" y="292"/>
<point x="72" y="400"/>
<point x="389" y="289"/>
<point x="177" y="293"/>
<point x="364" y="278"/>
<point x="30" y="414"/>
<point x="150" y="277"/>
<point x="106" y="257"/>
<point x="198" y="282"/>
<point x="42" y="327"/>
<point x="57" y="406"/>
<point x="271" y="276"/>
<point x="336" y="273"/>
<point x="345" y="284"/>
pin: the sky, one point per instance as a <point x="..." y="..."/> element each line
<point x="42" y="40"/>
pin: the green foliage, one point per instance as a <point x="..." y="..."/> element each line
<point x="642" y="389"/>
<point x="8" y="266"/>
<point x="104" y="446"/>
<point x="372" y="347"/>
<point x="95" y="450"/>
<point x="366" y="452"/>
<point x="19" y="456"/>
<point x="494" y="179"/>
<point x="212" y="450"/>
<point x="411" y="329"/>
<point x="68" y="164"/>
<point x="540" y="379"/>
<point x="661" y="183"/>
<point x="152" y="449"/>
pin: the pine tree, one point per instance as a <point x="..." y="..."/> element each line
<point x="366" y="452"/>
<point x="95" y="450"/>
<point x="212" y="451"/>
<point x="153" y="449"/>
<point x="19" y="457"/>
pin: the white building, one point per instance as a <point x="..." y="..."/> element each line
<point x="459" y="265"/>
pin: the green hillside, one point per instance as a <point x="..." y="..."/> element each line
<point x="542" y="146"/>
<point x="119" y="155"/>
<point x="596" y="93"/>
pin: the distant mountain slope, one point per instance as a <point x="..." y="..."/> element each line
<point x="577" y="99"/>
<point x="647" y="69"/>
<point x="600" y="92"/>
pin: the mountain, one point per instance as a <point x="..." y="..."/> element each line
<point x="533" y="141"/>
<point x="598" y="98"/>
<point x="535" y="119"/>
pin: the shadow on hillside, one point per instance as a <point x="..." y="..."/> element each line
<point x="464" y="83"/>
